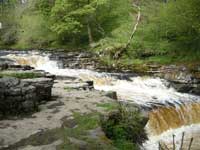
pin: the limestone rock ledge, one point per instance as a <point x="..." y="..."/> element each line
<point x="23" y="95"/>
<point x="183" y="79"/>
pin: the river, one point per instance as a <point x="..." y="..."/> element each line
<point x="171" y="113"/>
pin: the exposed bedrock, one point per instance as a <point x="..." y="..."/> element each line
<point x="23" y="95"/>
<point x="181" y="78"/>
<point x="76" y="60"/>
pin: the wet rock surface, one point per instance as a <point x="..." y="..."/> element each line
<point x="76" y="60"/>
<point x="181" y="78"/>
<point x="7" y="64"/>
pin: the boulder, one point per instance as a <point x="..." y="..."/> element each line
<point x="80" y="85"/>
<point x="43" y="87"/>
<point x="111" y="94"/>
<point x="4" y="63"/>
<point x="13" y="100"/>
<point x="19" y="96"/>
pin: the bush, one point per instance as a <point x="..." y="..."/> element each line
<point x="9" y="37"/>
<point x="41" y="37"/>
<point x="125" y="124"/>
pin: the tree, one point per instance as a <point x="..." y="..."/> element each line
<point x="44" y="6"/>
<point x="72" y="18"/>
<point x="8" y="31"/>
<point x="180" y="24"/>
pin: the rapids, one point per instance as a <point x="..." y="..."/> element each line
<point x="171" y="112"/>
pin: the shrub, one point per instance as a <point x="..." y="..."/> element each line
<point x="125" y="124"/>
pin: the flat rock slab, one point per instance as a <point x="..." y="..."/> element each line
<point x="81" y="144"/>
<point x="43" y="147"/>
<point x="51" y="114"/>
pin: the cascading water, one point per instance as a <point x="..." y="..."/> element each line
<point x="175" y="112"/>
<point x="164" y="118"/>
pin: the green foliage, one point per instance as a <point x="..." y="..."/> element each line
<point x="85" y="123"/>
<point x="25" y="27"/>
<point x="44" y="6"/>
<point x="122" y="144"/>
<point x="120" y="17"/>
<point x="167" y="33"/>
<point x="23" y="75"/>
<point x="10" y="36"/>
<point x="71" y="19"/>
<point x="108" y="106"/>
<point x="8" y="33"/>
<point x="182" y="24"/>
<point x="126" y="125"/>
<point x="167" y="28"/>
<point x="40" y="38"/>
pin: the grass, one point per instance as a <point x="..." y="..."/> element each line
<point x="81" y="132"/>
<point x="125" y="145"/>
<point x="84" y="122"/>
<point x="68" y="89"/>
<point x="89" y="122"/>
<point x="108" y="106"/>
<point x="84" y="130"/>
<point x="21" y="75"/>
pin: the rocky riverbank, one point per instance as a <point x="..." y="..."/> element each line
<point x="183" y="79"/>
<point x="41" y="130"/>
<point x="64" y="103"/>
<point x="38" y="109"/>
<point x="22" y="89"/>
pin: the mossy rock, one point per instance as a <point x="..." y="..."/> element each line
<point x="20" y="74"/>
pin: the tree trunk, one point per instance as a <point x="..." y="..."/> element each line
<point x="124" y="49"/>
<point x="89" y="29"/>
<point x="89" y="33"/>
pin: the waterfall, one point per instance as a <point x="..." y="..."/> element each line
<point x="171" y="112"/>
<point x="165" y="118"/>
<point x="145" y="91"/>
<point x="78" y="59"/>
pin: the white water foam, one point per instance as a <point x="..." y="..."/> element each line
<point x="167" y="138"/>
<point x="141" y="90"/>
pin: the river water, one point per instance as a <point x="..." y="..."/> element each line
<point x="175" y="112"/>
